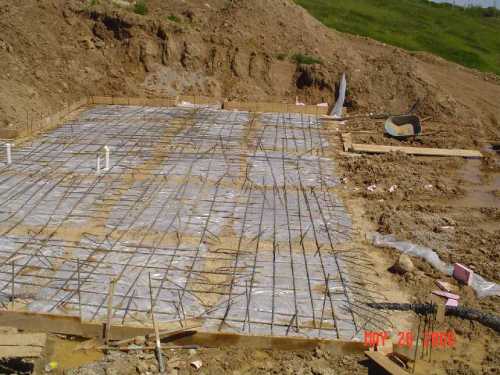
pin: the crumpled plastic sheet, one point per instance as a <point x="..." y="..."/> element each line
<point x="99" y="266"/>
<point x="174" y="208"/>
<point x="222" y="129"/>
<point x="481" y="286"/>
<point x="209" y="167"/>
<point x="291" y="132"/>
<point x="48" y="201"/>
<point x="296" y="120"/>
<point x="268" y="169"/>
<point x="171" y="205"/>
<point x="38" y="257"/>
<point x="274" y="215"/>
<point x="290" y="139"/>
<point x="287" y="291"/>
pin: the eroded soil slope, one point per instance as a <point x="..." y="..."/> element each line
<point x="53" y="52"/>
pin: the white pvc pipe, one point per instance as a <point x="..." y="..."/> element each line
<point x="98" y="167"/>
<point x="106" y="160"/>
<point x="8" y="148"/>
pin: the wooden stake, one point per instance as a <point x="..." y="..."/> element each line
<point x="79" y="292"/>
<point x="159" y="353"/>
<point x="110" y="311"/>
<point x="13" y="291"/>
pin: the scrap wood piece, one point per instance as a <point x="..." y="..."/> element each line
<point x="446" y="286"/>
<point x="20" y="351"/>
<point x="22" y="345"/>
<point x="426" y="151"/>
<point x="133" y="347"/>
<point x="162" y="334"/>
<point x="347" y="140"/>
<point x="384" y="362"/>
<point x="437" y="301"/>
<point x="23" y="339"/>
<point x="91" y="344"/>
<point x="170" y="333"/>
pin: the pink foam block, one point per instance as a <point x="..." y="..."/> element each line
<point x="445" y="294"/>
<point x="452" y="303"/>
<point x="462" y="273"/>
<point x="443" y="285"/>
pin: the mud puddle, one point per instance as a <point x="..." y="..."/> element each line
<point x="482" y="189"/>
<point x="65" y="354"/>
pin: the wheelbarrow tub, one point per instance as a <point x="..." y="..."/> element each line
<point x="403" y="126"/>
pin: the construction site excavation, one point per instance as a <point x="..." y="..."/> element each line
<point x="193" y="213"/>
<point x="249" y="187"/>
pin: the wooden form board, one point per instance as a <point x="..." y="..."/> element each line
<point x="380" y="149"/>
<point x="22" y="344"/>
<point x="386" y="363"/>
<point x="35" y="124"/>
<point x="425" y="151"/>
<point x="230" y="105"/>
<point x="152" y="102"/>
<point x="71" y="325"/>
<point x="200" y="99"/>
<point x="275" y="107"/>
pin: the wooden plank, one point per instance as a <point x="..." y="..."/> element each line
<point x="71" y="325"/>
<point x="219" y="339"/>
<point x="200" y="99"/>
<point x="102" y="100"/>
<point x="275" y="107"/>
<point x="386" y="363"/>
<point x="20" y="351"/>
<point x="52" y="323"/>
<point x="120" y="101"/>
<point x="23" y="339"/>
<point x="137" y="101"/>
<point x="162" y="335"/>
<point x="381" y="149"/>
<point x="109" y="318"/>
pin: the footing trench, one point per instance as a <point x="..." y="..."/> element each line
<point x="233" y="215"/>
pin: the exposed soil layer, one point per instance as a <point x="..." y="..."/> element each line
<point x="54" y="52"/>
<point x="448" y="204"/>
<point x="230" y="361"/>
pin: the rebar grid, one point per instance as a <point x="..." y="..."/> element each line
<point x="234" y="214"/>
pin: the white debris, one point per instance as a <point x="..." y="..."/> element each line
<point x="197" y="364"/>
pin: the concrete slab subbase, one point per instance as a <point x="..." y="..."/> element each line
<point x="234" y="217"/>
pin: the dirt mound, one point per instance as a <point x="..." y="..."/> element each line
<point x="56" y="51"/>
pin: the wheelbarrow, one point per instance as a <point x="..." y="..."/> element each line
<point x="403" y="126"/>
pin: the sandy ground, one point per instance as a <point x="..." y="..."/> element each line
<point x="451" y="205"/>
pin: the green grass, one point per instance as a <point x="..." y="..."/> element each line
<point x="173" y="18"/>
<point x="281" y="56"/>
<point x="299" y="58"/>
<point x="469" y="37"/>
<point x="141" y="7"/>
